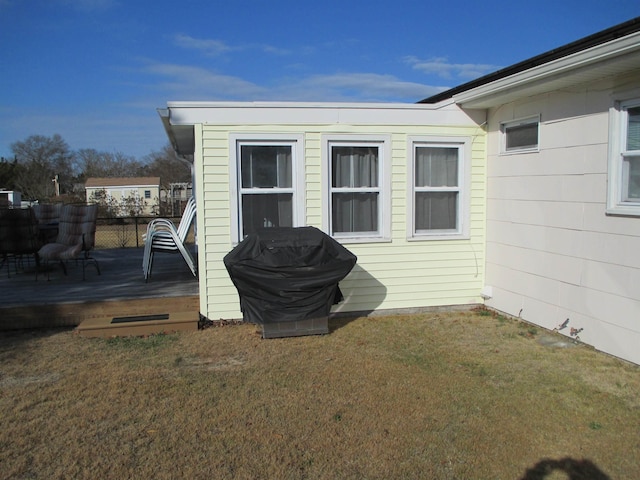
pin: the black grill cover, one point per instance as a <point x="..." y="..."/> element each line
<point x="288" y="274"/>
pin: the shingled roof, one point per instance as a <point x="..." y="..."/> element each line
<point x="95" y="182"/>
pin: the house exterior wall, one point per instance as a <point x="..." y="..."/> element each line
<point x="553" y="253"/>
<point x="397" y="273"/>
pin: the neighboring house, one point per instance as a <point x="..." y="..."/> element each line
<point x="520" y="190"/>
<point x="139" y="195"/>
<point x="10" y="198"/>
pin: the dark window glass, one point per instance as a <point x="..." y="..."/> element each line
<point x="521" y="136"/>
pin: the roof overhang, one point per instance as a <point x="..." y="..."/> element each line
<point x="180" y="118"/>
<point x="181" y="137"/>
<point x="608" y="60"/>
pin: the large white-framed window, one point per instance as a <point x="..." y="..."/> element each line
<point x="266" y="182"/>
<point x="624" y="159"/>
<point x="520" y="136"/>
<point x="440" y="182"/>
<point x="357" y="179"/>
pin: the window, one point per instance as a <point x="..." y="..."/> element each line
<point x="631" y="156"/>
<point x="439" y="184"/>
<point x="624" y="159"/>
<point x="358" y="189"/>
<point x="520" y="135"/>
<point x="267" y="185"/>
<point x="147" y="194"/>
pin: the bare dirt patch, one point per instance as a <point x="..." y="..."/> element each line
<point x="443" y="396"/>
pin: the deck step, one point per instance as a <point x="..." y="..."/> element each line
<point x="136" y="325"/>
<point x="73" y="314"/>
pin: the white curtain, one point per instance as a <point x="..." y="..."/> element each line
<point x="355" y="172"/>
<point x="436" y="182"/>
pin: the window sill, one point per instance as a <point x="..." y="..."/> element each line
<point x="624" y="211"/>
<point x="518" y="152"/>
<point x="348" y="240"/>
<point x="430" y="237"/>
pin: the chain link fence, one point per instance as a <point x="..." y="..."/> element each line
<point x="126" y="232"/>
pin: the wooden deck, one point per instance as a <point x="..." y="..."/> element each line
<point x="120" y="291"/>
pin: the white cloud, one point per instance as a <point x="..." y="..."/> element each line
<point x="196" y="83"/>
<point x="184" y="82"/>
<point x="213" y="47"/>
<point x="206" y="46"/>
<point x="359" y="87"/>
<point x="440" y="66"/>
<point x="270" y="49"/>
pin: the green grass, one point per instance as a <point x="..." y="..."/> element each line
<point x="461" y="395"/>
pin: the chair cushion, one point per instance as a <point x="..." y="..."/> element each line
<point x="58" y="251"/>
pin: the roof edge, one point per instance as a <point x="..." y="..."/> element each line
<point x="613" y="33"/>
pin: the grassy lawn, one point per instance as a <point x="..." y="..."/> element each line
<point x="456" y="395"/>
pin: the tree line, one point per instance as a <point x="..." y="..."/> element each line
<point x="46" y="168"/>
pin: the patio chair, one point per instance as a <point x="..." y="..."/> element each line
<point x="18" y="236"/>
<point x="76" y="237"/>
<point x="48" y="215"/>
<point x="163" y="236"/>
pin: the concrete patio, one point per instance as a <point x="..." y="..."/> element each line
<point x="119" y="291"/>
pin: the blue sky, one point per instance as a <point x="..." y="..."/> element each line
<point x="95" y="71"/>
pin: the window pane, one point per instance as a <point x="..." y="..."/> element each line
<point x="436" y="210"/>
<point x="265" y="166"/>
<point x="354" y="166"/>
<point x="522" y="136"/>
<point x="436" y="167"/>
<point x="633" y="182"/>
<point x="633" y="129"/>
<point x="266" y="210"/>
<point x="354" y="212"/>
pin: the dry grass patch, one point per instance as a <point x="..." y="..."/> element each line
<point x="454" y="395"/>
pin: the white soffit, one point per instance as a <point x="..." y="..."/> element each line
<point x="613" y="58"/>
<point x="292" y="113"/>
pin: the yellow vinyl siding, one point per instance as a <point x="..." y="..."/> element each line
<point x="395" y="274"/>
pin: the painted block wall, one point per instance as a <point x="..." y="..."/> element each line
<point x="552" y="251"/>
<point x="397" y="274"/>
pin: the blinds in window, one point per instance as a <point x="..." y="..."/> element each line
<point x="633" y="129"/>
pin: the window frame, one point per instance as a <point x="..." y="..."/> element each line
<point x="236" y="141"/>
<point x="519" y="122"/>
<point x="617" y="171"/>
<point x="383" y="143"/>
<point x="463" y="212"/>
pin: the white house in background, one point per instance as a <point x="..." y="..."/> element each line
<point x="520" y="189"/>
<point x="10" y="198"/>
<point x="142" y="191"/>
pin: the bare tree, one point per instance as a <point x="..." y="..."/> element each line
<point x="8" y="172"/>
<point x="41" y="160"/>
<point x="92" y="163"/>
<point x="165" y="164"/>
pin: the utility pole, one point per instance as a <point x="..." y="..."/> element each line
<point x="56" y="185"/>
